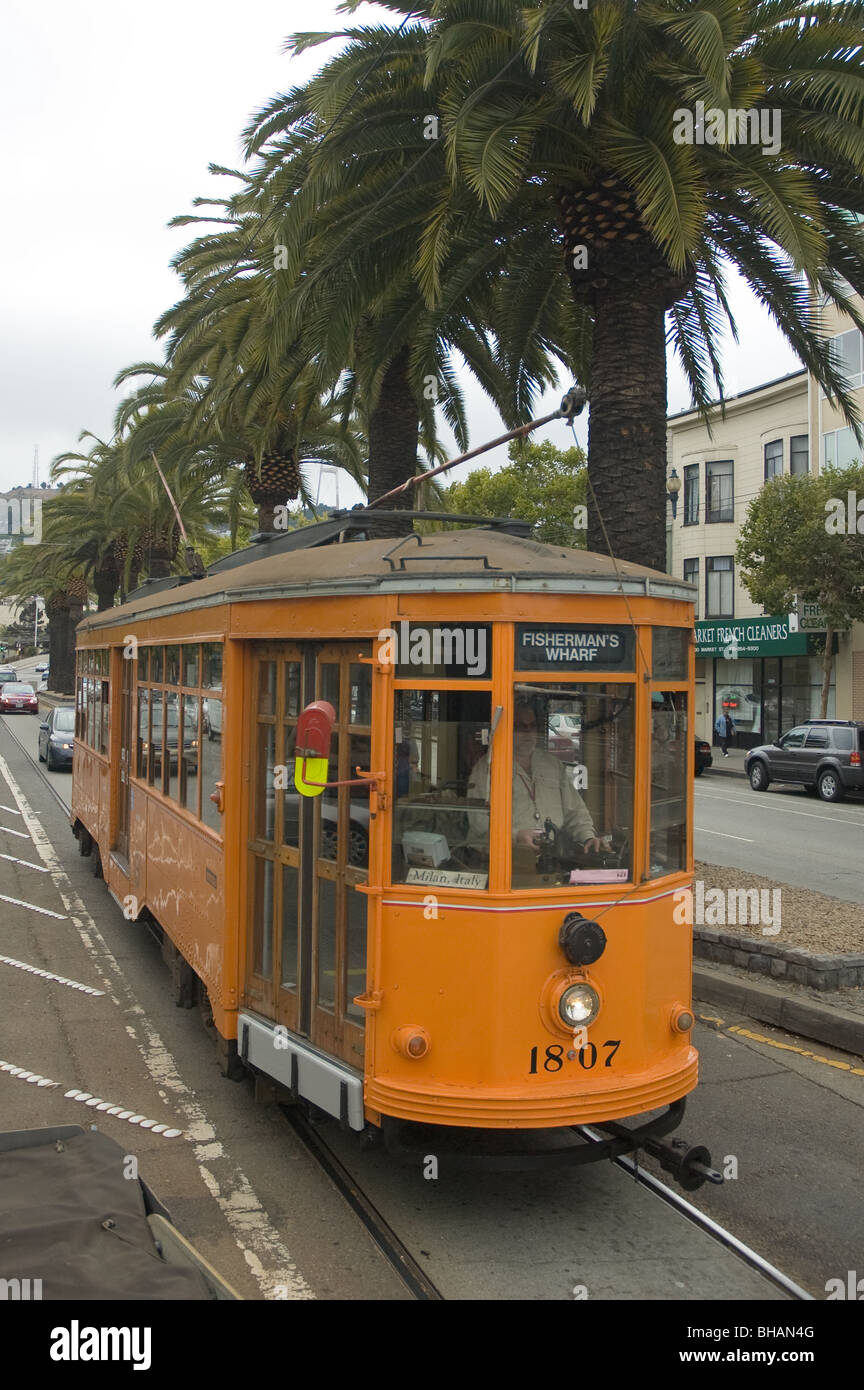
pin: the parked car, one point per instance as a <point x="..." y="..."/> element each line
<point x="16" y="696"/>
<point x="43" y="667"/>
<point x="825" y="756"/>
<point x="703" y="756"/>
<point x="7" y="673"/>
<point x="57" y="737"/>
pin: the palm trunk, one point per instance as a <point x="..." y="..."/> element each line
<point x="827" y="665"/>
<point x="63" y="621"/>
<point x="393" y="429"/>
<point x="626" y="447"/>
<point x="105" y="584"/>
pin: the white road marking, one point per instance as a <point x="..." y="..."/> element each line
<point x="26" y="862"/>
<point x="47" y="975"/>
<point x="269" y="1261"/>
<point x="97" y="1103"/>
<point x="703" y="829"/>
<point x="30" y="1076"/>
<point x="33" y="907"/>
<point x="19" y="833"/>
<point x="782" y="810"/>
<point x="10" y="810"/>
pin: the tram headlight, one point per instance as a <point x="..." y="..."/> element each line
<point x="579" y="1005"/>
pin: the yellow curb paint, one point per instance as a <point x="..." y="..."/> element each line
<point x="781" y="1046"/>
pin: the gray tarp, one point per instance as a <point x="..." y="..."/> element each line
<point x="69" y="1217"/>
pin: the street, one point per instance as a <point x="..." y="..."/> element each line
<point x="783" y="834"/>
<point x="252" y="1200"/>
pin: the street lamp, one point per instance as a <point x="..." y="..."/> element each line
<point x="673" y="487"/>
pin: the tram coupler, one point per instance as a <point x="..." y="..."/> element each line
<point x="690" y="1167"/>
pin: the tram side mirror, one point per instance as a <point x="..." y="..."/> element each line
<point x="312" y="749"/>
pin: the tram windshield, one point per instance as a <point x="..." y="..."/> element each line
<point x="440" y="737"/>
<point x="572" y="807"/>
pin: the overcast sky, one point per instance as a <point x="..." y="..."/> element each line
<point x="111" y="113"/>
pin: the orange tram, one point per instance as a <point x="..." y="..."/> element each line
<point x="413" y="817"/>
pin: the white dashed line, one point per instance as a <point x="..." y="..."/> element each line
<point x="269" y="1262"/>
<point x="11" y="811"/>
<point x="18" y="833"/>
<point x="47" y="975"/>
<point x="33" y="907"/>
<point x="40" y="868"/>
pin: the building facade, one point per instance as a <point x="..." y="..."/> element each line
<point x="762" y="668"/>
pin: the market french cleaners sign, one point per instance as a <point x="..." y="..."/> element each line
<point x="572" y="647"/>
<point x="749" y="637"/>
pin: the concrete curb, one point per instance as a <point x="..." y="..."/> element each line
<point x="824" y="1023"/>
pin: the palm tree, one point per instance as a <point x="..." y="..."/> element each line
<point x="549" y="106"/>
<point x="42" y="570"/>
<point x="344" y="309"/>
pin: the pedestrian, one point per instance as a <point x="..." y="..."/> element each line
<point x="724" y="727"/>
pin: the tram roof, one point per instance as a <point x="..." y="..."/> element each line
<point x="464" y="561"/>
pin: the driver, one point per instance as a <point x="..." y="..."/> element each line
<point x="541" y="789"/>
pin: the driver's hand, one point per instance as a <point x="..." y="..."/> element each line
<point x="528" y="837"/>
<point x="593" y="846"/>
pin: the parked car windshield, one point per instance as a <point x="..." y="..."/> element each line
<point x="64" y="720"/>
<point x="10" y="688"/>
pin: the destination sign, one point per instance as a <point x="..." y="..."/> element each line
<point x="574" y="647"/>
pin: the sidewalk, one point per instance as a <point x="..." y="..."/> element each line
<point x="733" y="766"/>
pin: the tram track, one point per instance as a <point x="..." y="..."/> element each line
<point x="37" y="767"/>
<point x="394" y="1251"/>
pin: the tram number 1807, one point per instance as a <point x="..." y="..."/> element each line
<point x="555" y="1056"/>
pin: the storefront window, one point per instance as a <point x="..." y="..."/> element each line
<point x="572" y="808"/>
<point x="440" y="739"/>
<point x="669" y="748"/>
<point x="739" y="693"/>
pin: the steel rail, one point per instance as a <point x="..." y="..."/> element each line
<point x="397" y="1255"/>
<point x="705" y="1223"/>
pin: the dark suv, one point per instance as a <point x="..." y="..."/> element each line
<point x="825" y="755"/>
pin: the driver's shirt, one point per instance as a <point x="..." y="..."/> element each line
<point x="543" y="792"/>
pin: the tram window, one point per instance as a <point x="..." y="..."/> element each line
<point x="290" y="926"/>
<point x="572" y="806"/>
<point x="211" y="666"/>
<point x="190" y="665"/>
<point x="172" y="665"/>
<point x="266" y="804"/>
<point x="157" y="663"/>
<point x="172" y="745"/>
<point x="154" y="774"/>
<point x="669" y="749"/>
<point x="267" y="687"/>
<point x="211" y="765"/>
<point x="359" y="750"/>
<point x="326" y="943"/>
<point x="292" y="688"/>
<point x="144" y="663"/>
<point x="103" y="733"/>
<point x="290" y="797"/>
<point x="440" y="823"/>
<point x="328" y="683"/>
<point x="361" y="694"/>
<point x="189" y="743"/>
<point x="671" y="646"/>
<point x="262" y="921"/>
<point x="355" y="955"/>
<point x="143" y="732"/>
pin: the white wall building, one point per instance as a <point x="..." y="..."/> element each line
<point x="770" y="678"/>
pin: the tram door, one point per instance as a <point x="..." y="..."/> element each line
<point x="121" y="842"/>
<point x="307" y="930"/>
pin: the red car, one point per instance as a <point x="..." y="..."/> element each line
<point x="18" y="697"/>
